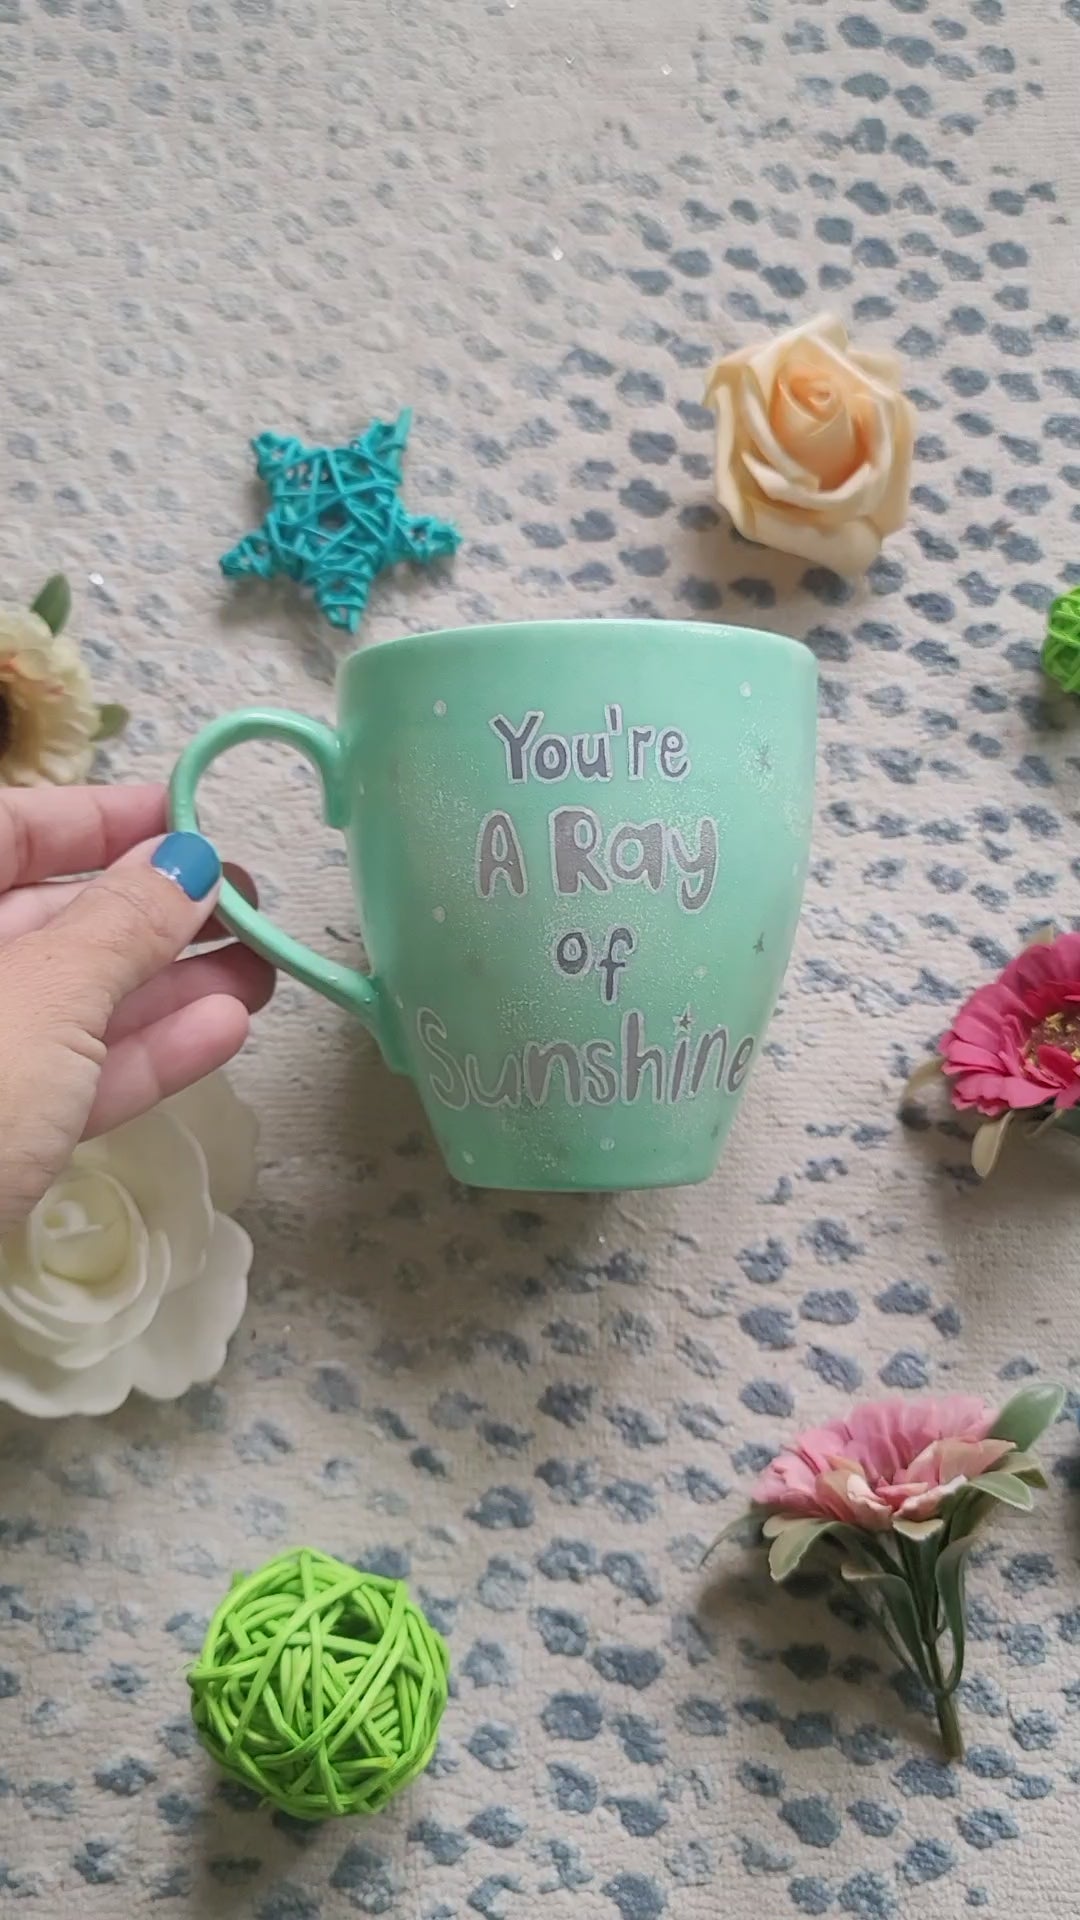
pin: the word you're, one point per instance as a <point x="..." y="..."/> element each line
<point x="591" y="756"/>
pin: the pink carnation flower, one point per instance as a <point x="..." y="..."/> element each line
<point x="1016" y="1043"/>
<point x="889" y="1460"/>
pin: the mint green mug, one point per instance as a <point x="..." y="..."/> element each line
<point x="578" y="850"/>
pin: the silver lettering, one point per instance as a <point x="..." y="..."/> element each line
<point x="453" y="1091"/>
<point x="702" y="865"/>
<point x="515" y="741"/>
<point x="539" y="1062"/>
<point x="639" y="740"/>
<point x="701" y="1058"/>
<point x="571" y="866"/>
<point x="651" y="862"/>
<point x="498" y="852"/>
<point x="636" y="1060"/>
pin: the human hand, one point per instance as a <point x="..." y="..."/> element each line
<point x="99" y="1016"/>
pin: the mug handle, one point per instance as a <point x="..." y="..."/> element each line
<point x="322" y="747"/>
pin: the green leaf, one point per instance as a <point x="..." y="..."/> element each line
<point x="1028" y="1414"/>
<point x="1026" y="1466"/>
<point x="987" y="1144"/>
<point x="112" y="720"/>
<point x="873" y="1571"/>
<point x="790" y="1546"/>
<point x="868" y="1549"/>
<point x="745" y="1528"/>
<point x="53" y="603"/>
<point x="919" y="1529"/>
<point x="898" y="1603"/>
<point x="876" y="1618"/>
<point x="921" y="1077"/>
<point x="897" y="1598"/>
<point x="1006" y="1488"/>
<point x="971" y="1509"/>
<point x="949" y="1574"/>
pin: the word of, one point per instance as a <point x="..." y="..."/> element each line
<point x="572" y="954"/>
<point x="634" y="850"/>
<point x="590" y="755"/>
<point x="597" y="1073"/>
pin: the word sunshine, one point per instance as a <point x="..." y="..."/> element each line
<point x="596" y="1073"/>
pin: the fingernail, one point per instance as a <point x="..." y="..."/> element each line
<point x="190" y="861"/>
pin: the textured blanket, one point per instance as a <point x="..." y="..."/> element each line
<point x="537" y="223"/>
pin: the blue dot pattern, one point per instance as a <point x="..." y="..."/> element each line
<point x="538" y="226"/>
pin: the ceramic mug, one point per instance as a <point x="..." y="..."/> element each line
<point x="578" y="850"/>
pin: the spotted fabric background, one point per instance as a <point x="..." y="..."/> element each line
<point x="538" y="222"/>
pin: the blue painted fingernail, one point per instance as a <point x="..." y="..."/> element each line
<point x="189" y="860"/>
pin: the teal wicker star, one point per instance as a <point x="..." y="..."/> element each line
<point x="335" y="519"/>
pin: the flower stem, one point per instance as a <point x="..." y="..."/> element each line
<point x="926" y="1607"/>
<point x="948" y="1721"/>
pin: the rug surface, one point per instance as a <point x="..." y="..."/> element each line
<point x="537" y="223"/>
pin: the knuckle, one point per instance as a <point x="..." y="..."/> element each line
<point x="45" y="987"/>
<point x="81" y="1042"/>
<point x="24" y="1178"/>
<point x="130" y="914"/>
<point x="14" y="840"/>
<point x="35" y="1126"/>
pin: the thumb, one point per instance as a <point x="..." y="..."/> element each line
<point x="125" y="926"/>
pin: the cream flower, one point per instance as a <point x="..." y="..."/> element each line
<point x="129" y="1274"/>
<point x="813" y="444"/>
<point x="49" y="718"/>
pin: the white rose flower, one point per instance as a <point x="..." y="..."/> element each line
<point x="813" y="445"/>
<point x="129" y="1273"/>
<point x="49" y="718"/>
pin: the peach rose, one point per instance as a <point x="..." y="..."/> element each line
<point x="813" y="444"/>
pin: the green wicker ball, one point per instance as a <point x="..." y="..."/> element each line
<point x="1061" y="648"/>
<point x="320" y="1687"/>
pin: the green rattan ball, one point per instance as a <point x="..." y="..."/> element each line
<point x="1061" y="648"/>
<point x="320" y="1687"/>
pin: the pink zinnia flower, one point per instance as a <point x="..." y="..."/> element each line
<point x="1016" y="1043"/>
<point x="889" y="1460"/>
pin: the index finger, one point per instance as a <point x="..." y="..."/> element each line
<point x="46" y="832"/>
